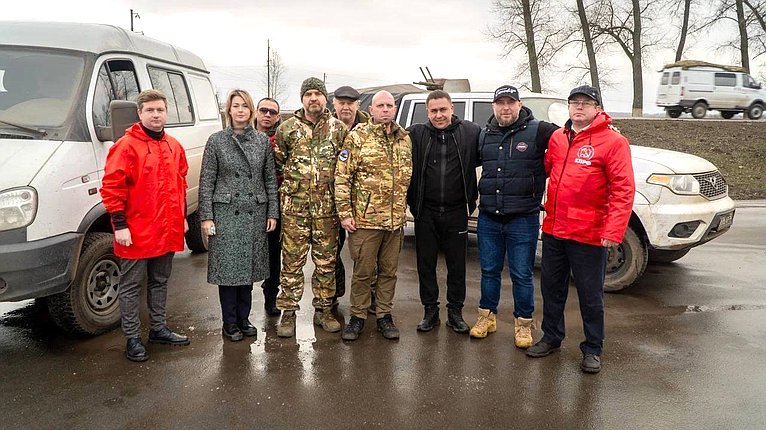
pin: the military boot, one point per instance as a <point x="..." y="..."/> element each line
<point x="387" y="327"/>
<point x="430" y="318"/>
<point x="455" y="320"/>
<point x="286" y="326"/>
<point x="484" y="325"/>
<point x="353" y="328"/>
<point x="327" y="320"/>
<point x="523" y="332"/>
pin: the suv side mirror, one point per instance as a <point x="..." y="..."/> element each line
<point x="123" y="114"/>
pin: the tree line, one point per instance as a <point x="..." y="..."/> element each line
<point x="542" y="35"/>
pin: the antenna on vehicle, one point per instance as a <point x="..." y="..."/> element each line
<point x="430" y="83"/>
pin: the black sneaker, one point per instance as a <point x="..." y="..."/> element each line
<point x="353" y="328"/>
<point x="455" y="320"/>
<point x="541" y="349"/>
<point x="430" y="318"/>
<point x="135" y="350"/>
<point x="591" y="363"/>
<point x="247" y="328"/>
<point x="232" y="332"/>
<point x="387" y="327"/>
<point x="166" y="337"/>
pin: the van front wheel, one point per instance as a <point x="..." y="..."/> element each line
<point x="699" y="110"/>
<point x="674" y="113"/>
<point x="626" y="262"/>
<point x="755" y="111"/>
<point x="90" y="305"/>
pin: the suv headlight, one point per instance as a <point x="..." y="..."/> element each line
<point x="18" y="208"/>
<point x="679" y="184"/>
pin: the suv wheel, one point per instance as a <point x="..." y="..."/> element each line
<point x="626" y="262"/>
<point x="699" y="110"/>
<point x="673" y="113"/>
<point x="727" y="114"/>
<point x="755" y="111"/>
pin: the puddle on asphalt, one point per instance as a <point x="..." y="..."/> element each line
<point x="703" y="308"/>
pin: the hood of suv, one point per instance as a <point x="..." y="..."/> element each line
<point x="675" y="162"/>
<point x="21" y="159"/>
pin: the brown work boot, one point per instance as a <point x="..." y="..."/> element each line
<point x="523" y="332"/>
<point x="286" y="326"/>
<point x="484" y="325"/>
<point x="327" y="320"/>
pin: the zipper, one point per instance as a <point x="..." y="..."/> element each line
<point x="442" y="169"/>
<point x="570" y="137"/>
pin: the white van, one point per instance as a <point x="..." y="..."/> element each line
<point x="681" y="200"/>
<point x="697" y="87"/>
<point x="66" y="92"/>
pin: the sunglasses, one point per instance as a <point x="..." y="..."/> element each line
<point x="267" y="110"/>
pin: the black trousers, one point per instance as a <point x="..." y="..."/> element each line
<point x="236" y="302"/>
<point x="587" y="264"/>
<point x="446" y="232"/>
<point x="271" y="284"/>
<point x="340" y="270"/>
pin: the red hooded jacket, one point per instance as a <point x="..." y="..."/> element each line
<point x="146" y="180"/>
<point x="591" y="186"/>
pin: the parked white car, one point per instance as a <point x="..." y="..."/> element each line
<point x="697" y="87"/>
<point x="681" y="200"/>
<point x="67" y="91"/>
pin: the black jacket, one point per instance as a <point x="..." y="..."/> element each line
<point x="465" y="136"/>
<point x="513" y="175"/>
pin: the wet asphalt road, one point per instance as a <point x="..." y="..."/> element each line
<point x="684" y="349"/>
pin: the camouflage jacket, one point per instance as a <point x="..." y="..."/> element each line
<point x="372" y="177"/>
<point x="305" y="156"/>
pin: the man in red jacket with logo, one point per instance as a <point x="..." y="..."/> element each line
<point x="589" y="202"/>
<point x="144" y="191"/>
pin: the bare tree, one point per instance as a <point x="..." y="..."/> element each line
<point x="530" y="27"/>
<point x="758" y="30"/>
<point x="744" y="50"/>
<point x="275" y="79"/>
<point x="588" y="42"/>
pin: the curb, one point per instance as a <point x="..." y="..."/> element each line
<point x="750" y="203"/>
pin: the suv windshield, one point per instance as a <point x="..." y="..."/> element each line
<point x="37" y="90"/>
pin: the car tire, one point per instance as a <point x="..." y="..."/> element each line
<point x="727" y="114"/>
<point x="195" y="240"/>
<point x="674" y="113"/>
<point x="90" y="305"/>
<point x="626" y="262"/>
<point x="699" y="110"/>
<point x="755" y="111"/>
<point x="666" y="256"/>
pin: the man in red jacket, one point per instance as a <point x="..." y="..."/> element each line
<point x="589" y="202"/>
<point x="144" y="191"/>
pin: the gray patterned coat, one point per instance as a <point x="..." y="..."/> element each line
<point x="238" y="191"/>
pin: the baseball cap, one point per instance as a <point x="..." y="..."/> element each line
<point x="587" y="90"/>
<point x="506" y="91"/>
<point x="346" y="92"/>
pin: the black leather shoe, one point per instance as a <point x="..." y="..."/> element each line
<point x="387" y="327"/>
<point x="455" y="320"/>
<point x="353" y="328"/>
<point x="232" y="332"/>
<point x="247" y="328"/>
<point x="430" y="319"/>
<point x="541" y="349"/>
<point x="166" y="337"/>
<point x="270" y="306"/>
<point x="135" y="350"/>
<point x="591" y="363"/>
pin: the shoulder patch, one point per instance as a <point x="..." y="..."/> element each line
<point x="343" y="155"/>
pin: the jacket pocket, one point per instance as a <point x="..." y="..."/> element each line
<point x="581" y="214"/>
<point x="222" y="198"/>
<point x="362" y="202"/>
<point x="289" y="187"/>
<point x="260" y="198"/>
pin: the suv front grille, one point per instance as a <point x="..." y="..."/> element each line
<point x="712" y="185"/>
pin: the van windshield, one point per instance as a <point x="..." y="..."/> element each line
<point x="38" y="90"/>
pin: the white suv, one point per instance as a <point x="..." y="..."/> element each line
<point x="681" y="201"/>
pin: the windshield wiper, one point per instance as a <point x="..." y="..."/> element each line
<point x="37" y="132"/>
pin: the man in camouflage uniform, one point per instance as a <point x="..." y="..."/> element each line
<point x="372" y="177"/>
<point x="306" y="149"/>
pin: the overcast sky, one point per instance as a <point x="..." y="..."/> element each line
<point x="354" y="42"/>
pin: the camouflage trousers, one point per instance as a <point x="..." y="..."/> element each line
<point x="299" y="234"/>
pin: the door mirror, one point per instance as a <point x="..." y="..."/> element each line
<point x="123" y="114"/>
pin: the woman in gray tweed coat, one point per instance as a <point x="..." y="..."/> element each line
<point x="238" y="206"/>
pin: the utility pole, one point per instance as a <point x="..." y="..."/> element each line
<point x="324" y="78"/>
<point x="133" y="14"/>
<point x="268" y="68"/>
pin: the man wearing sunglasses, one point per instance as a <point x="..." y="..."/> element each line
<point x="267" y="119"/>
<point x="589" y="202"/>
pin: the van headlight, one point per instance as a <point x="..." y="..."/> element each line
<point x="18" y="208"/>
<point x="679" y="184"/>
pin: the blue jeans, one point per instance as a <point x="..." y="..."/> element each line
<point x="518" y="239"/>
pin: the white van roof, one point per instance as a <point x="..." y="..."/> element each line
<point x="703" y="65"/>
<point x="94" y="38"/>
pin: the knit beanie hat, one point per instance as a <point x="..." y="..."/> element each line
<point x="313" y="84"/>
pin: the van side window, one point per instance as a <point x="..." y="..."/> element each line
<point x="173" y="85"/>
<point x="749" y="82"/>
<point x="664" y="80"/>
<point x="676" y="79"/>
<point x="420" y="114"/>
<point x="204" y="96"/>
<point x="482" y="111"/>
<point x="116" y="81"/>
<point x="725" y="80"/>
